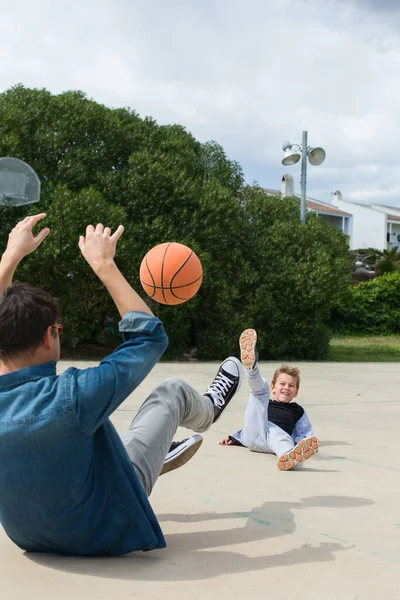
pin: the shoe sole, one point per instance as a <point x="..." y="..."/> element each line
<point x="247" y="343"/>
<point x="182" y="455"/>
<point x="302" y="451"/>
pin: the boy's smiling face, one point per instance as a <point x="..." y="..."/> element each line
<point x="285" y="388"/>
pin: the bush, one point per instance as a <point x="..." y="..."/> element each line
<point x="373" y="307"/>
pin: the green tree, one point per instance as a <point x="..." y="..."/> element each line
<point x="262" y="268"/>
<point x="59" y="267"/>
<point x="387" y="261"/>
<point x="97" y="164"/>
<point x="295" y="275"/>
<point x="69" y="138"/>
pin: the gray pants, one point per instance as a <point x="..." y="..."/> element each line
<point x="171" y="404"/>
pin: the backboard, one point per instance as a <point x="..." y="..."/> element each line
<point x="19" y="184"/>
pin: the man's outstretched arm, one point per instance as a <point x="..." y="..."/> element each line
<point x="21" y="242"/>
<point x="98" y="391"/>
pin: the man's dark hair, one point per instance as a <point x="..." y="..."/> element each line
<point x="25" y="314"/>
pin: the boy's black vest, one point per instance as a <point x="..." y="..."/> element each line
<point x="284" y="415"/>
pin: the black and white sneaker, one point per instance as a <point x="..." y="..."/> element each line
<point x="181" y="452"/>
<point x="225" y="385"/>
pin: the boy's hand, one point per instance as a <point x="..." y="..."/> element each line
<point x="226" y="442"/>
<point x="98" y="246"/>
<point x="21" y="240"/>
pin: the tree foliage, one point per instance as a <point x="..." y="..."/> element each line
<point x="388" y="261"/>
<point x="262" y="268"/>
<point x="372" y="307"/>
<point x="296" y="274"/>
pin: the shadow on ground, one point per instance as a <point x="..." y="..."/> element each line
<point x="332" y="443"/>
<point x="193" y="555"/>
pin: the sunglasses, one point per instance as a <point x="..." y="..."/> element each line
<point x="60" y="329"/>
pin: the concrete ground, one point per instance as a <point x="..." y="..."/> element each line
<point x="237" y="527"/>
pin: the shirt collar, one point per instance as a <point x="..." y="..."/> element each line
<point x="26" y="374"/>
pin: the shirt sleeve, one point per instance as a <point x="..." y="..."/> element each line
<point x="302" y="429"/>
<point x="98" y="391"/>
<point x="237" y="437"/>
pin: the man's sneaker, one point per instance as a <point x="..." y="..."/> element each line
<point x="225" y="385"/>
<point x="248" y="352"/>
<point x="303" y="450"/>
<point x="181" y="452"/>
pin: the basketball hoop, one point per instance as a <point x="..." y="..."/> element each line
<point x="19" y="184"/>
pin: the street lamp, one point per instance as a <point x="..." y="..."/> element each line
<point x="293" y="153"/>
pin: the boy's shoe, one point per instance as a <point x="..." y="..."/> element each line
<point x="181" y="452"/>
<point x="303" y="450"/>
<point x="225" y="385"/>
<point x="248" y="352"/>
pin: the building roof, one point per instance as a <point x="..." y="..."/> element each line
<point x="314" y="205"/>
<point x="321" y="207"/>
<point x="396" y="208"/>
<point x="393" y="218"/>
<point x="373" y="205"/>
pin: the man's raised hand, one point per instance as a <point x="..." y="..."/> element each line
<point x="98" y="248"/>
<point x="98" y="245"/>
<point x="22" y="241"/>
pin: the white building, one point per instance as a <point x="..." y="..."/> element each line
<point x="332" y="215"/>
<point x="367" y="225"/>
<point x="373" y="225"/>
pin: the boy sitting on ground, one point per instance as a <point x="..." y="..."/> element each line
<point x="278" y="426"/>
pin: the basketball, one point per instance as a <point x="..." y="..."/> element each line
<point x="171" y="273"/>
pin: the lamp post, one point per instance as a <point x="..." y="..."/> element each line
<point x="293" y="153"/>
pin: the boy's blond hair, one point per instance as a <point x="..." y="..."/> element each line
<point x="292" y="371"/>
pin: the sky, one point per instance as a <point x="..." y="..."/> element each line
<point x="248" y="74"/>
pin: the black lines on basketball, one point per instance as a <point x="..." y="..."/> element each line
<point x="179" y="287"/>
<point x="162" y="273"/>
<point x="180" y="269"/>
<point x="152" y="278"/>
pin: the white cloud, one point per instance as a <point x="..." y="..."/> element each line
<point x="247" y="74"/>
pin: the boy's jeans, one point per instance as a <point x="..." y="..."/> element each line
<point x="171" y="404"/>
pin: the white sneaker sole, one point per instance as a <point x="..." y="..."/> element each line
<point x="182" y="454"/>
<point x="247" y="343"/>
<point x="304" y="450"/>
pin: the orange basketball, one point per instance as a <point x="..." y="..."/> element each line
<point x="171" y="273"/>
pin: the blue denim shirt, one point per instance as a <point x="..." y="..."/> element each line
<point x="66" y="482"/>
